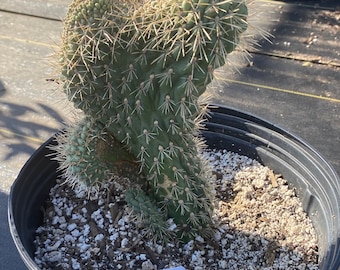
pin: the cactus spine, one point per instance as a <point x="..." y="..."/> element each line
<point x="137" y="68"/>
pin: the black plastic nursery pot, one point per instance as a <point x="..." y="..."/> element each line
<point x="316" y="182"/>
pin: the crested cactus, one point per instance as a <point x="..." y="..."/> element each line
<point x="137" y="69"/>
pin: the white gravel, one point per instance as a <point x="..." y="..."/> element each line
<point x="260" y="225"/>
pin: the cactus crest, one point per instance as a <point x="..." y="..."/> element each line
<point x="137" y="69"/>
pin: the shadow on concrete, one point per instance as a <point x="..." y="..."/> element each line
<point x="323" y="3"/>
<point x="290" y="63"/>
<point x="2" y="89"/>
<point x="306" y="31"/>
<point x="24" y="126"/>
<point x="51" y="112"/>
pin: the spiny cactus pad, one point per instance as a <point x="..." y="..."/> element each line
<point x="89" y="155"/>
<point x="148" y="213"/>
<point x="138" y="68"/>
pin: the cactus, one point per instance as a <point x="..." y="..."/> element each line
<point x="85" y="155"/>
<point x="137" y="69"/>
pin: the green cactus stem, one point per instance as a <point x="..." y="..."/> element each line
<point x="138" y="68"/>
<point x="91" y="156"/>
<point x="149" y="214"/>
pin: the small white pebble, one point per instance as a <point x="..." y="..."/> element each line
<point x="55" y="246"/>
<point x="69" y="238"/>
<point x="99" y="237"/>
<point x="199" y="239"/>
<point x="75" y="264"/>
<point x="71" y="227"/>
<point x="124" y="242"/>
<point x="75" y="233"/>
<point x="222" y="264"/>
<point x="148" y="265"/>
<point x="54" y="256"/>
<point x="142" y="257"/>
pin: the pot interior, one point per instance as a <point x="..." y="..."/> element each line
<point x="314" y="179"/>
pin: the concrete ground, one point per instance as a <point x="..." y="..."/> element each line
<point x="292" y="81"/>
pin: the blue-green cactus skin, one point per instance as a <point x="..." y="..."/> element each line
<point x="138" y="68"/>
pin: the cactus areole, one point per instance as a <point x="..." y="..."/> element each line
<point x="136" y="68"/>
